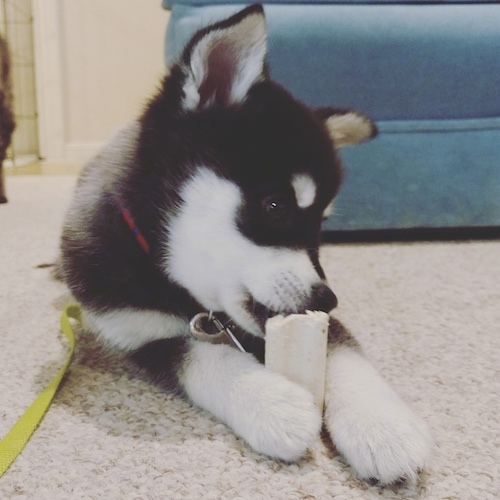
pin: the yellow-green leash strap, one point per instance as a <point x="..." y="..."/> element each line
<point x="14" y="442"/>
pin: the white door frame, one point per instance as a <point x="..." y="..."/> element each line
<point x="49" y="74"/>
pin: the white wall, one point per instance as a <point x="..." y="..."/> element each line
<point x="97" y="62"/>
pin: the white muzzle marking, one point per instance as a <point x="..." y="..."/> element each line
<point x="223" y="269"/>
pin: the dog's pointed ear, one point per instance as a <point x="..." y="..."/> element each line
<point x="222" y="61"/>
<point x="347" y="126"/>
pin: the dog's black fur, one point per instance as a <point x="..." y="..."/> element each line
<point x="226" y="177"/>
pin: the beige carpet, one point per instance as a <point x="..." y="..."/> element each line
<point x="427" y="314"/>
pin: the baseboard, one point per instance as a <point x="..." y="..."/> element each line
<point x="20" y="161"/>
<point x="46" y="168"/>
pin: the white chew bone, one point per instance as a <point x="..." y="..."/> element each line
<point x="296" y="347"/>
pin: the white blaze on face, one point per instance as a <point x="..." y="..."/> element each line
<point x="305" y="190"/>
<point x="220" y="267"/>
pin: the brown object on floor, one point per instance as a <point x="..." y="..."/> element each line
<point x="7" y="123"/>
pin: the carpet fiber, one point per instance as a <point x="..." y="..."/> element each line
<point x="427" y="315"/>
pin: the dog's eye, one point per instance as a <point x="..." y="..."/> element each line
<point x="275" y="208"/>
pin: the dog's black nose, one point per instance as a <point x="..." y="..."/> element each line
<point x="322" y="299"/>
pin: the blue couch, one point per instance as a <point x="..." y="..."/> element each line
<point x="428" y="73"/>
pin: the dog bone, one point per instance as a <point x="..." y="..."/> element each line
<point x="296" y="347"/>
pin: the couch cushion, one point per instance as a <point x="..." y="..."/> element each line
<point x="422" y="174"/>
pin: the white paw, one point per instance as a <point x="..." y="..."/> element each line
<point x="387" y="443"/>
<point x="371" y="426"/>
<point x="275" y="416"/>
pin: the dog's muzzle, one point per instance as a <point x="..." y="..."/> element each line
<point x="322" y="299"/>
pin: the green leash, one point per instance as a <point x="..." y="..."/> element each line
<point x="14" y="442"/>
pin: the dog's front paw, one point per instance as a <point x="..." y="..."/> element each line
<point x="371" y="426"/>
<point x="275" y="416"/>
<point x="386" y="443"/>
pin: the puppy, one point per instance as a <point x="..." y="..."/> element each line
<point x="212" y="200"/>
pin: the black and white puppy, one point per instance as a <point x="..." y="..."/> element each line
<point x="212" y="201"/>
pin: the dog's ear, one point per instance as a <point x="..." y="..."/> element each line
<point x="222" y="61"/>
<point x="347" y="126"/>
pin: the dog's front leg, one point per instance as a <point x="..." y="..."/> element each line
<point x="275" y="416"/>
<point x="375" y="431"/>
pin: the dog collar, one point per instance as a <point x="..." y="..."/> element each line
<point x="205" y="327"/>
<point x="135" y="230"/>
<point x="208" y="328"/>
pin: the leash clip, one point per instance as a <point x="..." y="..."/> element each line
<point x="206" y="327"/>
